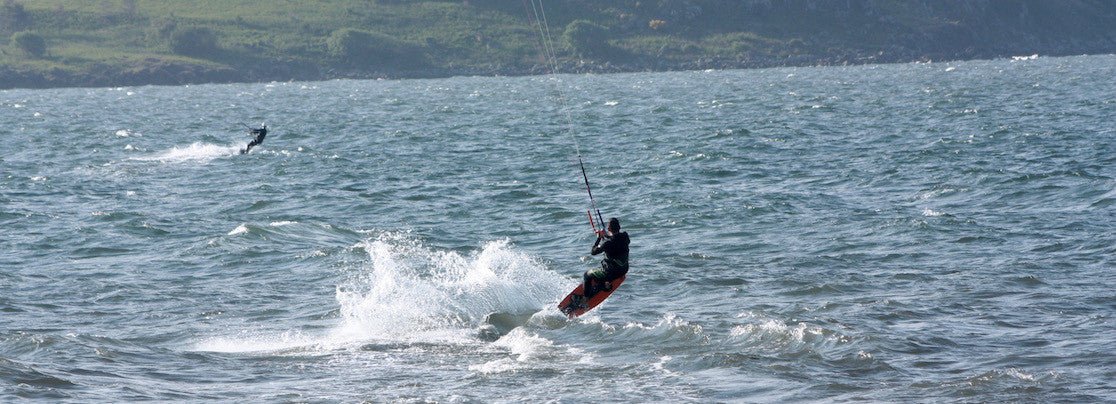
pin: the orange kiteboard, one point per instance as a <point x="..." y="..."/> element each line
<point x="572" y="311"/>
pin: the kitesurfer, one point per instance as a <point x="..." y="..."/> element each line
<point x="614" y="244"/>
<point x="260" y="133"/>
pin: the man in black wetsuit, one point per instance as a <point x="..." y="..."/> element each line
<point x="614" y="244"/>
<point x="260" y="133"/>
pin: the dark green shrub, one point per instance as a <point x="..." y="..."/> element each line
<point x="30" y="42"/>
<point x="588" y="39"/>
<point x="13" y="17"/>
<point x="194" y="41"/>
<point x="358" y="48"/>
<point x="162" y="28"/>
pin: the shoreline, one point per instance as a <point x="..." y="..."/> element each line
<point x="161" y="73"/>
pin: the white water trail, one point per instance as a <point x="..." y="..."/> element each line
<point x="410" y="293"/>
<point x="198" y="151"/>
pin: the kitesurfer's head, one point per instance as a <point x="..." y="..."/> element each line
<point x="613" y="225"/>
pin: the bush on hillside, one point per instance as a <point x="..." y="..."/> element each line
<point x="13" y="17"/>
<point x="358" y="48"/>
<point x="194" y="41"/>
<point x="31" y="43"/>
<point x="588" y="39"/>
<point x="163" y="28"/>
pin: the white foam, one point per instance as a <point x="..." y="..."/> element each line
<point x="501" y="365"/>
<point x="528" y="351"/>
<point x="525" y="346"/>
<point x="668" y="324"/>
<point x="247" y="342"/>
<point x="195" y="152"/>
<point x="931" y="213"/>
<point x="661" y="364"/>
<point x="937" y="192"/>
<point x="1017" y="373"/>
<point x="772" y="334"/>
<point x="282" y="223"/>
<point x="239" y="230"/>
<point x="1009" y="376"/>
<point x="532" y="352"/>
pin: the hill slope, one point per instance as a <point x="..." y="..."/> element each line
<point x="133" y="42"/>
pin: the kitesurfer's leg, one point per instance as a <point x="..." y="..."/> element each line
<point x="590" y="280"/>
<point x="249" y="147"/>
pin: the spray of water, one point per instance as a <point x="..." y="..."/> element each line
<point x="406" y="292"/>
<point x="410" y="291"/>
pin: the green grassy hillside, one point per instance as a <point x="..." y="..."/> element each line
<point x="128" y="42"/>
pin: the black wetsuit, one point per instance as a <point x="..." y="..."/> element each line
<point x="615" y="263"/>
<point x="615" y="248"/>
<point x="260" y="134"/>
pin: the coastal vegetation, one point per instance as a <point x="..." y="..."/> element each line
<point x="130" y="42"/>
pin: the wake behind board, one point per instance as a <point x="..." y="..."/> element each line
<point x="594" y="300"/>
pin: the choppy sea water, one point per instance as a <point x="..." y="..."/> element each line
<point x="938" y="232"/>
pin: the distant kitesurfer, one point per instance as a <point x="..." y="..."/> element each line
<point x="614" y="244"/>
<point x="259" y="133"/>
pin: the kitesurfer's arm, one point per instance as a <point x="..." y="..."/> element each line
<point x="597" y="246"/>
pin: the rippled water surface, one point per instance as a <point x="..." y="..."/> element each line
<point x="920" y="232"/>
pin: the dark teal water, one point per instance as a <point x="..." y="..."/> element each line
<point x="920" y="232"/>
